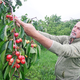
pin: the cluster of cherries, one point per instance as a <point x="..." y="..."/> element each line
<point x="32" y="45"/>
<point x="10" y="17"/>
<point x="20" y="58"/>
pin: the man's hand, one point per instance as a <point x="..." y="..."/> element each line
<point x="28" y="28"/>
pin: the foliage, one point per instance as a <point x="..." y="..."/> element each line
<point x="44" y="69"/>
<point x="26" y="46"/>
<point x="53" y="25"/>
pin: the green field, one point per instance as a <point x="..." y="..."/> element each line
<point x="44" y="68"/>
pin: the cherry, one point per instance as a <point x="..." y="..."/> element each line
<point x="17" y="41"/>
<point x="0" y="2"/>
<point x="10" y="63"/>
<point x="11" y="19"/>
<point x="10" y="16"/>
<point x="35" y="45"/>
<point x="13" y="66"/>
<point x="20" y="57"/>
<point x="20" y="39"/>
<point x="23" y="61"/>
<point x="17" y="53"/>
<point x="11" y="60"/>
<point x="32" y="45"/>
<point x="16" y="34"/>
<point x="27" y="41"/>
<point x="7" y="16"/>
<point x="17" y="66"/>
<point x="13" y="46"/>
<point x="4" y="2"/>
<point x="17" y="61"/>
<point x="7" y="59"/>
<point x="9" y="56"/>
<point x="23" y="57"/>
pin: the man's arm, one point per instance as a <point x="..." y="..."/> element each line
<point x="31" y="31"/>
<point x="59" y="39"/>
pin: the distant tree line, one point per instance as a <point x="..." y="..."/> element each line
<point x="53" y="25"/>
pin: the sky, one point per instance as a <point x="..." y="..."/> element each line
<point x="67" y="9"/>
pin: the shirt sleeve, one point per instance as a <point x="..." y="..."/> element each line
<point x="66" y="50"/>
<point x="59" y="39"/>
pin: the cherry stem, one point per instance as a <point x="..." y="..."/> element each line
<point x="18" y="73"/>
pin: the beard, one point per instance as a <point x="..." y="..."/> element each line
<point x="73" y="36"/>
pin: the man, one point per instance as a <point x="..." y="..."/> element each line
<point x="66" y="47"/>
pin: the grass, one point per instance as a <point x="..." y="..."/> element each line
<point x="44" y="68"/>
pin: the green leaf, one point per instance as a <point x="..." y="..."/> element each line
<point x="25" y="67"/>
<point x="17" y="29"/>
<point x="28" y="63"/>
<point x="1" y="43"/>
<point x="3" y="57"/>
<point x="28" y="49"/>
<point x="38" y="51"/>
<point x="24" y="42"/>
<point x="10" y="46"/>
<point x="0" y="12"/>
<point x="22" y="52"/>
<point x="5" y="65"/>
<point x="2" y="6"/>
<point x="21" y="79"/>
<point x="3" y="33"/>
<point x="28" y="60"/>
<point x="1" y="75"/>
<point x="1" y="65"/>
<point x="11" y="72"/>
<point x="21" y="34"/>
<point x="22" y="74"/>
<point x="6" y="72"/>
<point x="10" y="23"/>
<point x="4" y="47"/>
<point x="32" y="50"/>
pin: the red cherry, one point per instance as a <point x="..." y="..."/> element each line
<point x="23" y="61"/>
<point x="20" y="39"/>
<point x="4" y="3"/>
<point x="17" y="61"/>
<point x="11" y="60"/>
<point x="10" y="63"/>
<point x="13" y="66"/>
<point x="9" y="56"/>
<point x="13" y="46"/>
<point x="7" y="16"/>
<point x="32" y="45"/>
<point x="17" y="53"/>
<point x="17" y="41"/>
<point x="16" y="34"/>
<point x="20" y="57"/>
<point x="7" y="59"/>
<point x="17" y="66"/>
<point x="11" y="19"/>
<point x="0" y="2"/>
<point x="10" y="16"/>
<point x="23" y="57"/>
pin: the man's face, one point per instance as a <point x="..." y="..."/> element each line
<point x="76" y="31"/>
